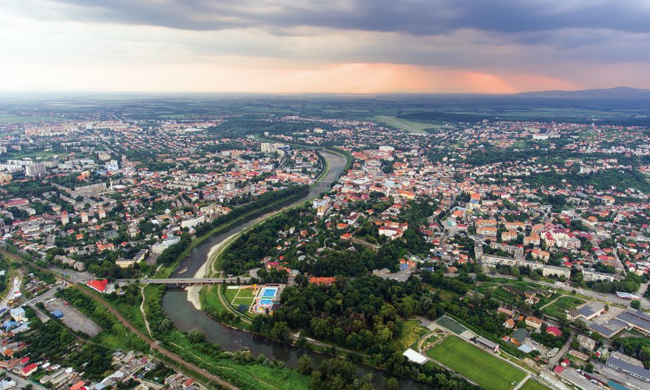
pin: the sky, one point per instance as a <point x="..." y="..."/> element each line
<point x="323" y="46"/>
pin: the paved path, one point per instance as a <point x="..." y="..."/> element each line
<point x="522" y="382"/>
<point x="552" y="362"/>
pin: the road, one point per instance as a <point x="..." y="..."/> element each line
<point x="22" y="382"/>
<point x="552" y="362"/>
<point x="14" y="289"/>
<point x="607" y="298"/>
<point x="73" y="276"/>
<point x="186" y="281"/>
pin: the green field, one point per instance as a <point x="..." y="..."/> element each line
<point x="533" y="385"/>
<point x="451" y="324"/>
<point x="10" y="118"/>
<point x="477" y="365"/>
<point x="411" y="332"/>
<point x="211" y="304"/>
<point x="561" y="306"/>
<point x="238" y="297"/>
<point x="406" y="125"/>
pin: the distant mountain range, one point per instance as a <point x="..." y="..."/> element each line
<point x="614" y="93"/>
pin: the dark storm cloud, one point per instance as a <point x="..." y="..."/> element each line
<point x="416" y="17"/>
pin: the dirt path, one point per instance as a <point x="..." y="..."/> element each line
<point x="144" y="316"/>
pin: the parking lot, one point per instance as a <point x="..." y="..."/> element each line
<point x="73" y="318"/>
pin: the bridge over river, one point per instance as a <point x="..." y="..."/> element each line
<point x="186" y="281"/>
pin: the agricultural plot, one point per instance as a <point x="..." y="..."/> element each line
<point x="561" y="306"/>
<point x="475" y="364"/>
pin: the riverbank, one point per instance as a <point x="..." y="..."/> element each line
<point x="194" y="291"/>
<point x="211" y="265"/>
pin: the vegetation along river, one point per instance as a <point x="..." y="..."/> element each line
<point x="186" y="316"/>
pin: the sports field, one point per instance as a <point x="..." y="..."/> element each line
<point x="239" y="296"/>
<point x="477" y="365"/>
<point x="533" y="385"/>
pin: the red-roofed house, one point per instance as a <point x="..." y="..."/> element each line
<point x="188" y="384"/>
<point x="78" y="385"/>
<point x="554" y="331"/>
<point x="29" y="370"/>
<point x="325" y="281"/>
<point x="98" y="285"/>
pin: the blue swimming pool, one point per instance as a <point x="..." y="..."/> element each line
<point x="266" y="302"/>
<point x="270" y="292"/>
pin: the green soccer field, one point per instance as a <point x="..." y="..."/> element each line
<point x="475" y="364"/>
<point x="533" y="385"/>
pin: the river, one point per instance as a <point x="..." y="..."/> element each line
<point x="186" y="317"/>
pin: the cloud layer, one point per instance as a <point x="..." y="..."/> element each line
<point x="406" y="46"/>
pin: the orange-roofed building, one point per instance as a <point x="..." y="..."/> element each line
<point x="98" y="285"/>
<point x="78" y="385"/>
<point x="323" y="280"/>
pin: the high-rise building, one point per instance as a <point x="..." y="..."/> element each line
<point x="35" y="169"/>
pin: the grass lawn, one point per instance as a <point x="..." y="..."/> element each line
<point x="10" y="118"/>
<point x="238" y="297"/>
<point x="431" y="339"/>
<point x="446" y="295"/>
<point x="211" y="304"/>
<point x="561" y="305"/>
<point x="533" y="385"/>
<point x="475" y="364"/>
<point x="411" y="332"/>
<point x="406" y="125"/>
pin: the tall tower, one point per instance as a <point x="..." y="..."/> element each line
<point x="478" y="250"/>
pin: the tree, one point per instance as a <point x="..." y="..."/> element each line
<point x="304" y="365"/>
<point x="280" y="331"/>
<point x="635" y="304"/>
<point x="166" y="325"/>
<point x="392" y="384"/>
<point x="515" y="271"/>
<point x="196" y="336"/>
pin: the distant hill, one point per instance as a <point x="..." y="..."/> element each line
<point x="614" y="93"/>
